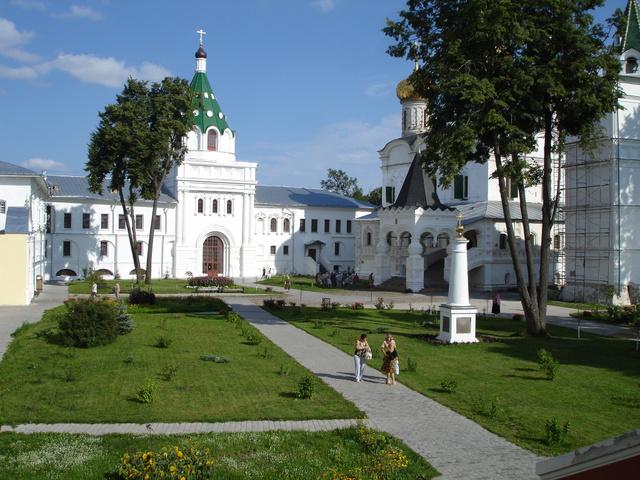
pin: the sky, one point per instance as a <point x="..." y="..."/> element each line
<point x="306" y="84"/>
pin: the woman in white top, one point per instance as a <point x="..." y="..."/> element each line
<point x="361" y="355"/>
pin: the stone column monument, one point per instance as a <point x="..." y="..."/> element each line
<point x="458" y="316"/>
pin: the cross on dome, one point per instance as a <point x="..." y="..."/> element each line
<point x="201" y="33"/>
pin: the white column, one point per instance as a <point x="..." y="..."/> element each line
<point x="415" y="267"/>
<point x="458" y="274"/>
<point x="381" y="263"/>
<point x="182" y="212"/>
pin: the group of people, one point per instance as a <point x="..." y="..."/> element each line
<point x="94" y="290"/>
<point x="337" y="280"/>
<point x="363" y="353"/>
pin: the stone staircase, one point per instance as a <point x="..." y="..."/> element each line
<point x="394" y="284"/>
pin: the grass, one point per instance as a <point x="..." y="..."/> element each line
<point x="578" y="305"/>
<point x="165" y="285"/>
<point x="499" y="384"/>
<point x="259" y="456"/>
<point x="308" y="284"/>
<point x="64" y="384"/>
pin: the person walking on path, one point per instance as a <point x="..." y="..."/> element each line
<point x="390" y="359"/>
<point x="495" y="303"/>
<point x="116" y="290"/>
<point x="287" y="283"/>
<point x="94" y="290"/>
<point x="361" y="355"/>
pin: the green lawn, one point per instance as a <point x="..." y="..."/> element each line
<point x="258" y="456"/>
<point x="48" y="383"/>
<point x="165" y="285"/>
<point x="578" y="305"/>
<point x="308" y="284"/>
<point x="499" y="383"/>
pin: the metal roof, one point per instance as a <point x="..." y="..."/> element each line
<point x="306" y="197"/>
<point x="17" y="220"/>
<point x="474" y="212"/>
<point x="78" y="187"/>
<point x="11" y="169"/>
<point x="418" y="189"/>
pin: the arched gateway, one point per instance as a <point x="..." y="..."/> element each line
<point x="213" y="256"/>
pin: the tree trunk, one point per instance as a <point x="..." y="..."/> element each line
<point x="131" y="233"/>
<point x="530" y="312"/>
<point x="548" y="212"/>
<point x="154" y="209"/>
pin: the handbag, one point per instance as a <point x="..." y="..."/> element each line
<point x="396" y="367"/>
<point x="368" y="355"/>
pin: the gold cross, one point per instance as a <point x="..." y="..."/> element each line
<point x="201" y="32"/>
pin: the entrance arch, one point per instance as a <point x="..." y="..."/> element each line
<point x="213" y="256"/>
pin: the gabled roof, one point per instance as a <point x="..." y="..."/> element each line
<point x="206" y="110"/>
<point x="11" y="169"/>
<point x="78" y="187"/>
<point x="305" y="197"/>
<point x="632" y="32"/>
<point x="418" y="189"/>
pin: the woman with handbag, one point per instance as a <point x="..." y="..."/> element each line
<point x="361" y="355"/>
<point x="390" y="361"/>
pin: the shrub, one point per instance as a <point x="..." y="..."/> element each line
<point x="176" y="462"/>
<point x="272" y="304"/>
<point x="129" y="360"/>
<point x="141" y="297"/>
<point x="168" y="372"/>
<point x="357" y="306"/>
<point x="210" y="282"/>
<point x="547" y="364"/>
<point x="88" y="323"/>
<point x="449" y="384"/>
<point x="20" y="329"/>
<point x="284" y="370"/>
<point x="412" y="365"/>
<point x="326" y="304"/>
<point x="554" y="433"/>
<point x="147" y="393"/>
<point x="380" y="303"/>
<point x="306" y="387"/>
<point x="264" y="353"/>
<point x="335" y="305"/>
<point x="488" y="407"/>
<point x="254" y="338"/>
<point x="125" y="322"/>
<point x="163" y="341"/>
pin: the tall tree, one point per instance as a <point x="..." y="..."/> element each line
<point x="115" y="150"/>
<point x="496" y="74"/>
<point x="139" y="140"/>
<point x="169" y="123"/>
<point x="338" y="181"/>
<point x="374" y="196"/>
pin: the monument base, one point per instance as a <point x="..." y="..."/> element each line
<point x="457" y="324"/>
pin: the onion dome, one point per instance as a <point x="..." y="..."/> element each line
<point x="407" y="91"/>
<point x="201" y="53"/>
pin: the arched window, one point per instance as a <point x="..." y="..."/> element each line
<point x="404" y="119"/>
<point x="405" y="239"/>
<point x="214" y="206"/>
<point x="229" y="206"/>
<point x="200" y="205"/>
<point x="260" y="225"/>
<point x="631" y="65"/>
<point x="212" y="140"/>
<point x="503" y="241"/>
<point x="273" y="225"/>
<point x="65" y="272"/>
<point x="368" y="238"/>
<point x="443" y="240"/>
<point x="286" y="225"/>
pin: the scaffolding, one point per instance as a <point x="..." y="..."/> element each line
<point x="585" y="242"/>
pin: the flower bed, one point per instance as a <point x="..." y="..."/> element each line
<point x="211" y="282"/>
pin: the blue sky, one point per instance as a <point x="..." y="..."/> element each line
<point x="306" y="84"/>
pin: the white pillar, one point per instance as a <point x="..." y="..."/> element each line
<point x="415" y="267"/>
<point x="381" y="263"/>
<point x="458" y="316"/>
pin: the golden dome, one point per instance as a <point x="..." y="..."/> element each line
<point x="406" y="91"/>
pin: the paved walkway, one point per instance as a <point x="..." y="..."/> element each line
<point x="456" y="446"/>
<point x="555" y="315"/>
<point x="179" y="428"/>
<point x="12" y="317"/>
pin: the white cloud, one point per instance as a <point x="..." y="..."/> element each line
<point x="351" y="146"/>
<point x="29" y="4"/>
<point x="105" y="71"/>
<point x="12" y="42"/>
<point x="43" y="164"/>
<point x="81" y="11"/>
<point x="325" y="6"/>
<point x="380" y="89"/>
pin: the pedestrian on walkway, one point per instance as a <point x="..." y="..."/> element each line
<point x="287" y="283"/>
<point x="495" y="303"/>
<point x="361" y="355"/>
<point x="390" y="359"/>
<point x="94" y="290"/>
<point x="116" y="290"/>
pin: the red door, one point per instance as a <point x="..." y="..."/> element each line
<point x="212" y="256"/>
